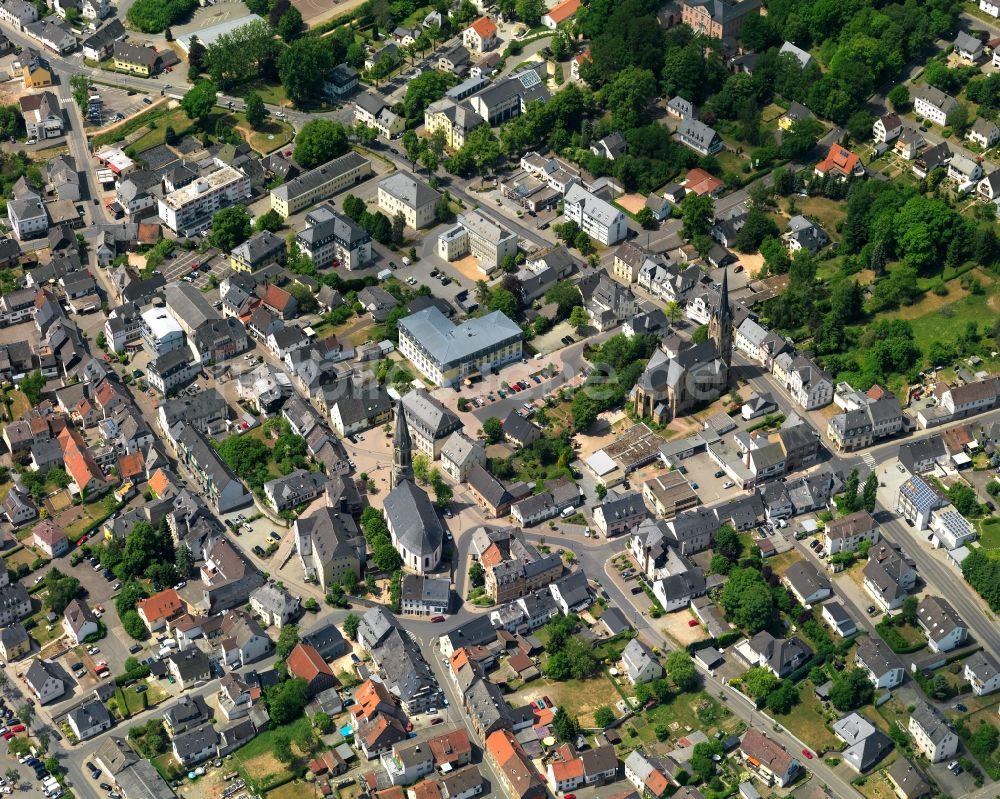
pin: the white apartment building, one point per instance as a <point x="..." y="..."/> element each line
<point x="27" y="216"/>
<point x="478" y="235"/>
<point x="329" y="235"/>
<point x="932" y="735"/>
<point x="190" y="209"/>
<point x="933" y="104"/>
<point x="160" y="332"/>
<point x="598" y="219"/>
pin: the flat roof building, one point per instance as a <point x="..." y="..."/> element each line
<point x="190" y="208"/>
<point x="479" y="235"/>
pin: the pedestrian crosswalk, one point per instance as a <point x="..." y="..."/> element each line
<point x="868" y="460"/>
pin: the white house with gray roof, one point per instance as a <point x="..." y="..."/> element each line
<point x="291" y="490"/>
<point x="275" y="605"/>
<point x="640" y="663"/>
<point x="885" y="669"/>
<point x="88" y="720"/>
<point x="373" y="110"/>
<point x="933" y="736"/>
<point x="865" y="744"/>
<point x="598" y="219"/>
<point x="983" y="132"/>
<point x="401" y="193"/>
<point x="807" y="583"/>
<point x="699" y="137"/>
<point x="839" y="619"/>
<point x="941" y="623"/>
<point x="933" y="104"/>
<point x="983" y="673"/>
<point x="44" y="681"/>
<point x="460" y="454"/>
<point x="430" y="423"/>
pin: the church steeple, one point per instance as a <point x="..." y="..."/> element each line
<point x="720" y="326"/>
<point x="402" y="461"/>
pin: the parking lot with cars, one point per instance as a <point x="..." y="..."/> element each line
<point x="194" y="267"/>
<point x="118" y="103"/>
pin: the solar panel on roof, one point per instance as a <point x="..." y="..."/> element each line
<point x="529" y="78"/>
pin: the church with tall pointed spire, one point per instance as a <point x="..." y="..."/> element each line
<point x="416" y="531"/>
<point x="720" y="326"/>
<point x="680" y="378"/>
<point x="402" y="450"/>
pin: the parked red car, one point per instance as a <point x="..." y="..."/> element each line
<point x="437" y="619"/>
<point x="8" y="735"/>
<point x="17" y="728"/>
<point x="808" y="754"/>
<point x="692" y="622"/>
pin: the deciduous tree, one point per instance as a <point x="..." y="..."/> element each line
<point x="319" y="141"/>
<point x="199" y="100"/>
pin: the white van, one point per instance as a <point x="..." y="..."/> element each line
<point x="568" y="511"/>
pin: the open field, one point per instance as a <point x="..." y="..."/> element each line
<point x="580" y="697"/>
<point x="826" y="212"/>
<point x="257" y="762"/>
<point x="270" y="93"/>
<point x="808" y="722"/>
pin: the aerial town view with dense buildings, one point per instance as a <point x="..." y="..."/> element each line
<point x="435" y="399"/>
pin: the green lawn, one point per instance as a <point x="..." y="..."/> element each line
<point x="944" y="321"/>
<point x="174" y="118"/>
<point x="130" y="126"/>
<point x="270" y="93"/>
<point x="168" y="767"/>
<point x="273" y="134"/>
<point x="730" y="162"/>
<point x="808" y="722"/>
<point x="989" y="532"/>
<point x="133" y="702"/>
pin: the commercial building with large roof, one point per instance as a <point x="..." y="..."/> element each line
<point x="446" y="353"/>
<point x="208" y="36"/>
